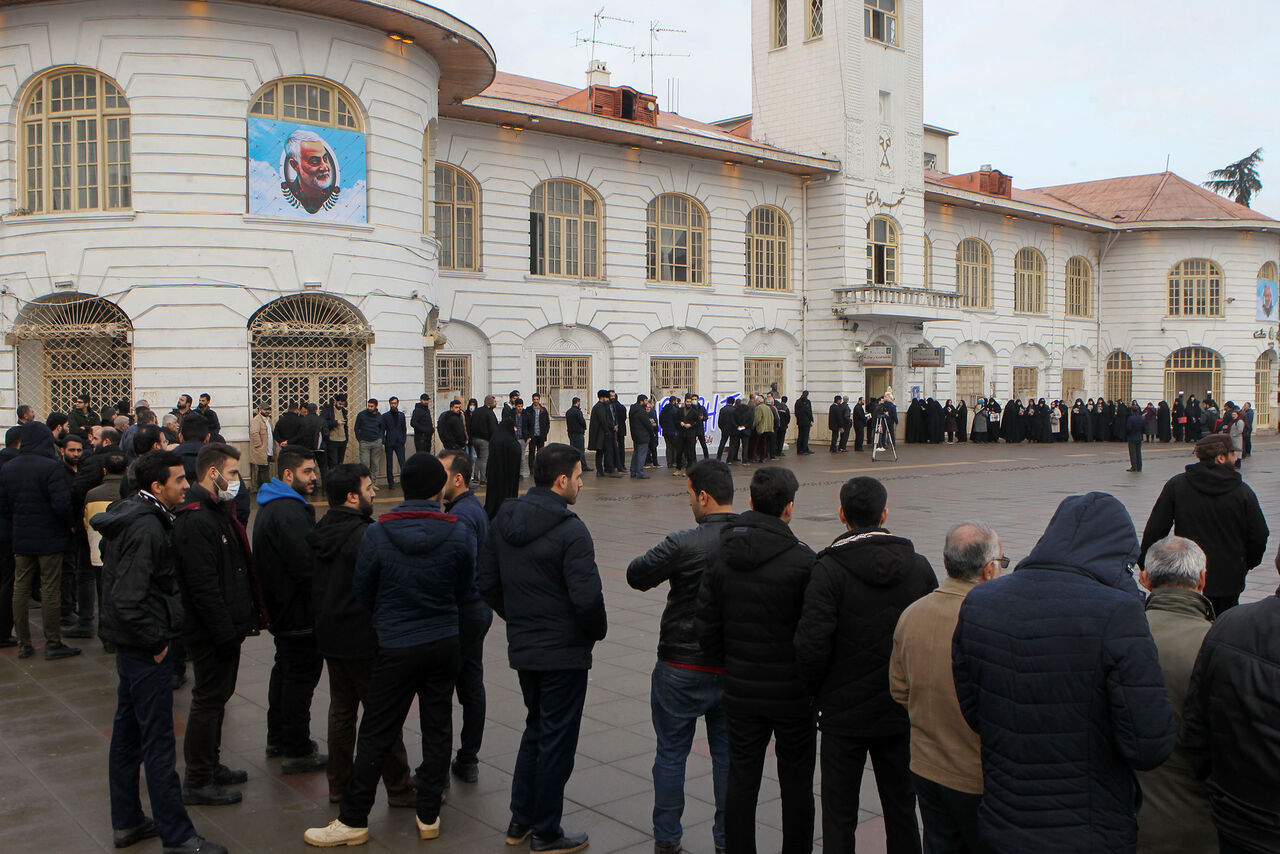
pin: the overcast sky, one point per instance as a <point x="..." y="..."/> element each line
<point x="1049" y="91"/>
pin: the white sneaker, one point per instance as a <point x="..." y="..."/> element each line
<point x="428" y="831"/>
<point x="335" y="834"/>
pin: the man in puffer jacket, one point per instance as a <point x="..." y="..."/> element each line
<point x="1056" y="671"/>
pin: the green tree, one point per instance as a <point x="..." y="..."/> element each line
<point x="1238" y="181"/>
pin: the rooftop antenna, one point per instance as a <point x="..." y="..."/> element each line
<point x="597" y="21"/>
<point x="655" y="27"/>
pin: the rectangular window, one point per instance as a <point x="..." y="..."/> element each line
<point x="453" y="376"/>
<point x="1072" y="384"/>
<point x="814" y="29"/>
<point x="970" y="383"/>
<point x="930" y="160"/>
<point x="779" y="23"/>
<point x="559" y="379"/>
<point x="880" y="20"/>
<point x="1024" y="383"/>
<point x="668" y="376"/>
<point x="760" y="375"/>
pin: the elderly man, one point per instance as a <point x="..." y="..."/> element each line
<point x="1175" y="805"/>
<point x="946" y="768"/>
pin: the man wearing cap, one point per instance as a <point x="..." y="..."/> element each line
<point x="414" y="566"/>
<point x="1211" y="505"/>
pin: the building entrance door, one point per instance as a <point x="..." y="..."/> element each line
<point x="878" y="381"/>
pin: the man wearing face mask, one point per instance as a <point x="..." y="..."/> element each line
<point x="220" y="610"/>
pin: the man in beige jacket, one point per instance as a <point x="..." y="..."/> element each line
<point x="946" y="767"/>
<point x="260" y="445"/>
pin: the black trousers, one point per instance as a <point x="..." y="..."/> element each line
<point x="6" y="590"/>
<point x="473" y="624"/>
<point x="802" y="438"/>
<point x="294" y="677"/>
<point x="214" y="685"/>
<point x="335" y="451"/>
<point x="607" y="455"/>
<point x="1135" y="454"/>
<point x="553" y="701"/>
<point x="422" y="443"/>
<point x="950" y="818"/>
<point x="702" y="440"/>
<point x="348" y="691"/>
<point x="735" y="446"/>
<point x="843" y="760"/>
<point x="535" y="445"/>
<point x="796" y="748"/>
<point x="428" y="673"/>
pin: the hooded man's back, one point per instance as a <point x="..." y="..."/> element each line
<point x="1056" y="670"/>
<point x="35" y="495"/>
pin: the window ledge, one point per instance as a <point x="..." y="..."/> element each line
<point x="676" y="286"/>
<point x="298" y="222"/>
<point x="462" y="274"/>
<point x="884" y="44"/>
<point x="74" y="216"/>
<point x="769" y="292"/>
<point x="567" y="280"/>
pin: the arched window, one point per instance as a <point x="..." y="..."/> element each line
<point x="457" y="217"/>
<point x="1119" y="377"/>
<point x="75" y="143"/>
<point x="1264" y="386"/>
<point x="564" y="230"/>
<point x="928" y="262"/>
<point x="1267" y="271"/>
<point x="676" y="240"/>
<point x="1193" y="370"/>
<point x="68" y="344"/>
<point x="973" y="273"/>
<point x="882" y="251"/>
<point x="310" y="100"/>
<point x="768" y="249"/>
<point x="1079" y="287"/>
<point x="1028" y="272"/>
<point x="1195" y="288"/>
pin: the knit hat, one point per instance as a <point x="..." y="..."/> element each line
<point x="422" y="477"/>
<point x="1211" y="446"/>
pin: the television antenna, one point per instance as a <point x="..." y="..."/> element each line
<point x="597" y="21"/>
<point x="655" y="28"/>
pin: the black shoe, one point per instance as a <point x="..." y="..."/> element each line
<point x="78" y="632"/>
<point x="467" y="772"/>
<point x="313" y="761"/>
<point x="134" y="835"/>
<point x="211" y="795"/>
<point x="224" y="776"/>
<point x="53" y="653"/>
<point x="566" y="844"/>
<point x="195" y="845"/>
<point x="517" y="833"/>
<point x="26" y="650"/>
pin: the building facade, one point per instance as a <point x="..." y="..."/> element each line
<point x="284" y="200"/>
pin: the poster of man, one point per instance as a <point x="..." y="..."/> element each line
<point x="306" y="171"/>
<point x="1268" y="307"/>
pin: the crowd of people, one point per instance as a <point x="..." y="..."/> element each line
<point x="1039" y="710"/>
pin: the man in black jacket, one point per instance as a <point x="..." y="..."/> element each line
<point x="861" y="584"/>
<point x="7" y="639"/>
<point x="1211" y="505"/>
<point x="214" y="569"/>
<point x="334" y="415"/>
<point x="209" y="414"/>
<point x="453" y="427"/>
<point x="538" y="572"/>
<point x="286" y="427"/>
<point x="344" y="630"/>
<point x="1228" y="725"/>
<point x="748" y="607"/>
<point x="422" y="425"/>
<point x="536" y="424"/>
<point x="804" y="422"/>
<point x="727" y="424"/>
<point x="620" y="420"/>
<point x="141" y="615"/>
<point x="286" y="566"/>
<point x="859" y="420"/>
<point x="575" y="424"/>
<point x="484" y="423"/>
<point x="835" y="423"/>
<point x="639" y="422"/>
<point x="687" y="683"/>
<point x="603" y="438"/>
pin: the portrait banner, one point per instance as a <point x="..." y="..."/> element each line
<point x="1267" y="302"/>
<point x="306" y="172"/>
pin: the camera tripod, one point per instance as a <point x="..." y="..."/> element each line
<point x="882" y="440"/>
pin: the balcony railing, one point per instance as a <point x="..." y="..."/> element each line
<point x="882" y="299"/>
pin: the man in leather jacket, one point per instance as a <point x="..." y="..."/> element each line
<point x="687" y="683"/>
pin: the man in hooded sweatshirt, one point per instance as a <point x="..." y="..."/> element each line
<point x="538" y="572"/>
<point x="1056" y="671"/>
<point x="860" y="585"/>
<point x="749" y="604"/>
<point x="1211" y="505"/>
<point x="414" y="566"/>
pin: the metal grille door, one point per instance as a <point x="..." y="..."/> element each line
<point x="71" y="344"/>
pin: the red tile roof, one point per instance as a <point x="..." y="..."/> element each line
<point x="1162" y="196"/>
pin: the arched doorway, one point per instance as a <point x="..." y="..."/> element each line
<point x="1193" y="370"/>
<point x="69" y="344"/>
<point x="308" y="347"/>
<point x="1264" y="388"/>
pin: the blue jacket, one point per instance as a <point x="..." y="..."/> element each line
<point x="393" y="428"/>
<point x="35" y="497"/>
<point x="414" y="566"/>
<point x="470" y="512"/>
<point x="1056" y="670"/>
<point x="369" y="426"/>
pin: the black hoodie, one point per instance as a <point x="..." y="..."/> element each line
<point x="1212" y="506"/>
<point x="861" y="584"/>
<point x="748" y="607"/>
<point x="344" y="627"/>
<point x="141" y="597"/>
<point x="35" y="497"/>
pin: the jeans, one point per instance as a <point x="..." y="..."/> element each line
<point x="843" y="759"/>
<point x="370" y="453"/>
<point x="50" y="569"/>
<point x="394" y="453"/>
<point x="1135" y="454"/>
<point x="6" y="590"/>
<point x="677" y="698"/>
<point x="142" y="735"/>
<point x="482" y="458"/>
<point x="348" y="689"/>
<point x="578" y="443"/>
<point x="607" y="455"/>
<point x="796" y="749"/>
<point x="474" y="621"/>
<point x="426" y="672"/>
<point x="553" y="700"/>
<point x="337" y="452"/>
<point x="639" y="454"/>
<point x="950" y="818"/>
<point x="214" y="685"/>
<point x="293" y="681"/>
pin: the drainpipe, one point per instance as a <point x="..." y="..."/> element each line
<point x="804" y="291"/>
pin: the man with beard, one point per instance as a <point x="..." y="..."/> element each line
<point x="620" y="425"/>
<point x="639" y="418"/>
<point x="535" y="424"/>
<point x="727" y="424"/>
<point x="334" y="414"/>
<point x="421" y="424"/>
<point x="503" y="474"/>
<point x="700" y="416"/>
<point x="314" y="185"/>
<point x="835" y="423"/>
<point x="804" y="423"/>
<point x="603" y="436"/>
<point x="393" y="435"/>
<point x="857" y="419"/>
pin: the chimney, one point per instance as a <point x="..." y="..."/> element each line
<point x="597" y="73"/>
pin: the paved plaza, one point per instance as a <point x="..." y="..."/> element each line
<point x="55" y="717"/>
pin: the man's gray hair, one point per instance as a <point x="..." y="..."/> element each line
<point x="1174" y="562"/>
<point x="293" y="145"/>
<point x="168" y="418"/>
<point x="970" y="546"/>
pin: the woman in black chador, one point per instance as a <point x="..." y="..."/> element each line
<point x="1194" y="414"/>
<point x="1080" y="427"/>
<point x="504" y="467"/>
<point x="1163" y="422"/>
<point x="914" y="431"/>
<point x="1179" y="416"/>
<point x="949" y="422"/>
<point x="1064" y="422"/>
<point x="962" y="422"/>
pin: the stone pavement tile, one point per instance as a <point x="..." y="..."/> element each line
<point x="602" y="784"/>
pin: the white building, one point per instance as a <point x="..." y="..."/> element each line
<point x="439" y="225"/>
